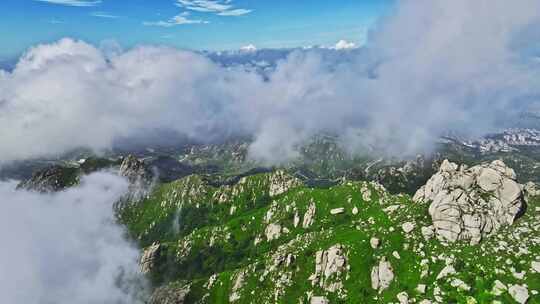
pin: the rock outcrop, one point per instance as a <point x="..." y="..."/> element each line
<point x="329" y="265"/>
<point x="281" y="182"/>
<point x="472" y="203"/>
<point x="170" y="294"/>
<point x="309" y="215"/>
<point x="139" y="176"/>
<point x="237" y="287"/>
<point x="272" y="232"/>
<point x="51" y="179"/>
<point x="149" y="257"/>
<point x="382" y="275"/>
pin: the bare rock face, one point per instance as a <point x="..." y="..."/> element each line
<point x="149" y="257"/>
<point x="472" y="203"/>
<point x="382" y="275"/>
<point x="170" y="294"/>
<point x="330" y="264"/>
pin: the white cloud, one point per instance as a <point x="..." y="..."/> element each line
<point x="104" y="15"/>
<point x="80" y="3"/>
<point x="66" y="247"/>
<point x="235" y="12"/>
<point x="219" y="7"/>
<point x="344" y="45"/>
<point x="181" y="19"/>
<point x="432" y="66"/>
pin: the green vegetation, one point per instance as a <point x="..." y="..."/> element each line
<point x="210" y="236"/>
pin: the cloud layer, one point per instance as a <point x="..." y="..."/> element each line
<point x="430" y="67"/>
<point x="65" y="248"/>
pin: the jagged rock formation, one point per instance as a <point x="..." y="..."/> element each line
<point x="472" y="203"/>
<point x="140" y="177"/>
<point x="134" y="170"/>
<point x="51" y="179"/>
<point x="149" y="257"/>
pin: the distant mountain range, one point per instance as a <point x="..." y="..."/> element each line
<point x="6" y="64"/>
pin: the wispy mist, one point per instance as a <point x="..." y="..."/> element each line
<point x="65" y="247"/>
<point x="429" y="67"/>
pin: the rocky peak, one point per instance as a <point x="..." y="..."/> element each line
<point x="472" y="203"/>
<point x="134" y="169"/>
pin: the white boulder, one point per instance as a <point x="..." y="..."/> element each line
<point x="471" y="203"/>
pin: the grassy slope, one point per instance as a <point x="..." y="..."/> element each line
<point x="202" y="237"/>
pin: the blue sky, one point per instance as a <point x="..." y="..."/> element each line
<point x="192" y="24"/>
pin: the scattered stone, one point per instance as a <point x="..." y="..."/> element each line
<point x="319" y="300"/>
<point x="403" y="297"/>
<point x="407" y="227"/>
<point x="459" y="284"/>
<point x="374" y="242"/>
<point x="237" y="286"/>
<point x="296" y="220"/>
<point x="446" y="271"/>
<point x="428" y="232"/>
<point x="535" y="265"/>
<point x="498" y="288"/>
<point x="366" y="193"/>
<point x="531" y="189"/>
<point x="337" y="211"/>
<point x="391" y="209"/>
<point x="520" y="293"/>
